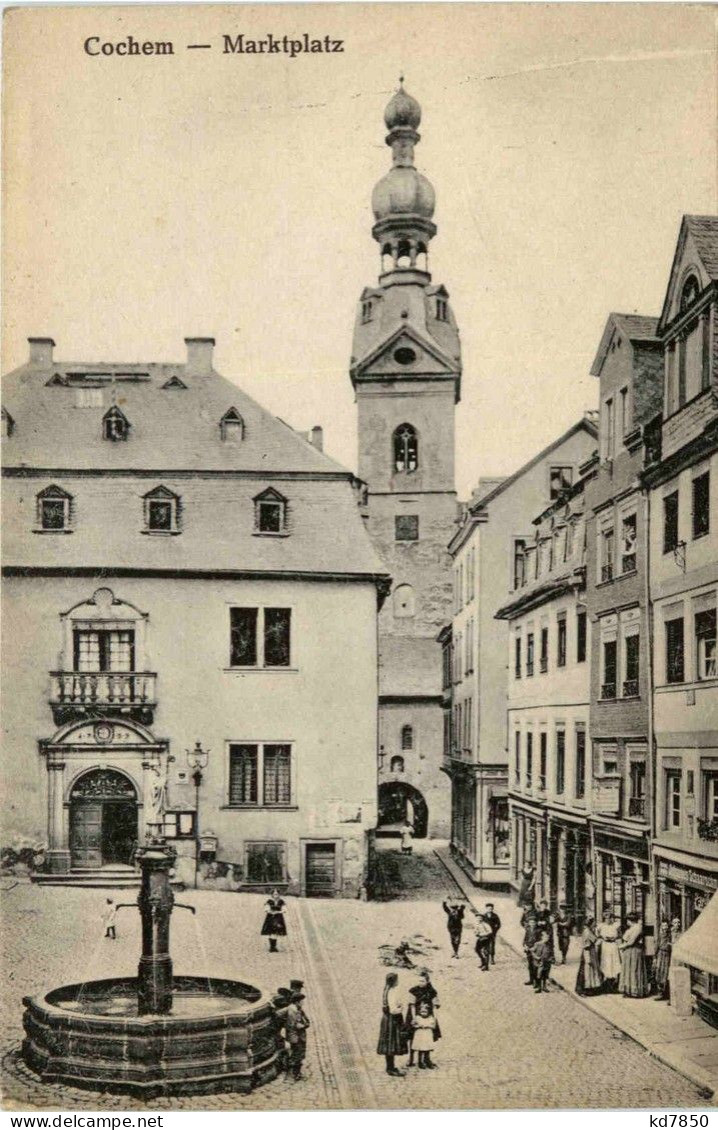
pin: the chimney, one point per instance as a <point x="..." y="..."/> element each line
<point x="199" y="355"/>
<point x="41" y="351"/>
<point x="316" y="437"/>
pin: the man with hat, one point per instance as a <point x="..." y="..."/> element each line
<point x="531" y="937"/>
<point x="296" y="1023"/>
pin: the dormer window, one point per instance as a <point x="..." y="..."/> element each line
<point x="560" y="480"/>
<point x="366" y="311"/>
<point x="406" y="448"/>
<point x="174" y="382"/>
<point x="161" y="511"/>
<point x="8" y="424"/>
<point x="442" y="314"/>
<point x="231" y="426"/>
<point x="53" y="510"/>
<point x="270" y="512"/>
<point x="115" y="425"/>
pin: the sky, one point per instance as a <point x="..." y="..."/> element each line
<point x="153" y="198"/>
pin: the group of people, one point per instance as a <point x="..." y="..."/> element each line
<point x="612" y="961"/>
<point x="409" y="1030"/>
<point x="487" y="927"/>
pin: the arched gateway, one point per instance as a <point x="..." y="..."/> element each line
<point x="399" y="802"/>
<point x="102" y="775"/>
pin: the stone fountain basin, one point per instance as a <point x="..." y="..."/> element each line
<point x="220" y="1036"/>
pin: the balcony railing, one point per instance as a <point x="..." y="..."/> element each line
<point x="608" y="690"/>
<point x="630" y="688"/>
<point x="637" y="806"/>
<point x="75" y="694"/>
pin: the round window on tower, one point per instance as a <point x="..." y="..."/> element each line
<point x="404" y="355"/>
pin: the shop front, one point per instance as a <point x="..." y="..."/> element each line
<point x="685" y="889"/>
<point x="623" y="882"/>
<point x="569" y="867"/>
<point x="529" y="839"/>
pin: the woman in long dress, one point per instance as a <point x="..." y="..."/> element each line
<point x="392" y="1033"/>
<point x="662" y="962"/>
<point x="633" y="981"/>
<point x="528" y="885"/>
<point x="609" y="953"/>
<point x="589" y="979"/>
<point x="274" y="925"/>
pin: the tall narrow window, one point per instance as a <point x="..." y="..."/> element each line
<point x="441" y="310"/>
<point x="243" y="774"/>
<point x="606" y="547"/>
<point x="608" y="686"/>
<point x="670" y="522"/>
<point x="277" y="760"/>
<point x="637" y="788"/>
<point x="277" y="623"/>
<point x="581" y="636"/>
<point x="625" y="419"/>
<point x="529" y="757"/>
<point x="529" y="654"/>
<point x="673" y="799"/>
<point x="517" y="757"/>
<point x="675" y="668"/>
<point x="561" y="641"/>
<point x="580" y="785"/>
<point x="243" y="637"/>
<point x="701" y="504"/>
<point x="366" y="311"/>
<point x="543" y="758"/>
<point x="631" y="651"/>
<point x="544" y="651"/>
<point x="560" y="761"/>
<point x="628" y="543"/>
<point x="407" y="737"/>
<point x="609" y="428"/>
<point x="705" y="624"/>
<point x="517" y="656"/>
<point x="406" y="448"/>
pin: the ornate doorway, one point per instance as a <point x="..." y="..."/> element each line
<point x="103" y="819"/>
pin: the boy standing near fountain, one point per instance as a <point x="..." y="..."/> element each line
<point x="109" y="916"/>
<point x="295" y="1028"/>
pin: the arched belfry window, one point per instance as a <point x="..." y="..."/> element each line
<point x="406" y="448"/>
<point x="689" y="292"/>
<point x="407" y="737"/>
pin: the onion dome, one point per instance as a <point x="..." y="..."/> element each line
<point x="402" y="110"/>
<point x="403" y="191"/>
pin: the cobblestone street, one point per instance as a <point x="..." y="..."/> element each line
<point x="502" y="1046"/>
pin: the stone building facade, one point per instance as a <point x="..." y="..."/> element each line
<point x="406" y="374"/>
<point x="181" y="566"/>
<point x="548" y="708"/>
<point x="629" y="367"/>
<point x="681" y="478"/>
<point x="487" y="553"/>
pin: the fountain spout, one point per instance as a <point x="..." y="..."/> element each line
<point x="155" y="902"/>
<point x="184" y="906"/>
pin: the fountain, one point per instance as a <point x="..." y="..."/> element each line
<point x="155" y="1034"/>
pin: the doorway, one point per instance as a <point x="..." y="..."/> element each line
<point x="320" y="870"/>
<point x="103" y="819"/>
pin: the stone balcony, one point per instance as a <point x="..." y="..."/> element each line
<point x="92" y="694"/>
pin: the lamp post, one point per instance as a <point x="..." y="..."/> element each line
<point x="197" y="759"/>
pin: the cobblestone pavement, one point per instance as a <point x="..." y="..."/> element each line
<point x="502" y="1046"/>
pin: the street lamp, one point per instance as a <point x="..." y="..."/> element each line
<point x="197" y="759"/>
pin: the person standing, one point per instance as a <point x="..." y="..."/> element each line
<point x="274" y="926"/>
<point x="422" y="994"/>
<point x="531" y="937"/>
<point x="109" y="917"/>
<point x="609" y="955"/>
<point x="564" y="929"/>
<point x="407" y="833"/>
<point x="528" y="885"/>
<point x="633" y="980"/>
<point x="662" y="962"/>
<point x="589" y="978"/>
<point x="544" y="921"/>
<point x="495" y="923"/>
<point x="484" y="936"/>
<point x="454" y="922"/>
<point x="296" y="1023"/>
<point x="392" y="1035"/>
<point x="425" y="1034"/>
<point x="542" y="952"/>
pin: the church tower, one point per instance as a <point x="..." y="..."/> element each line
<point x="406" y="373"/>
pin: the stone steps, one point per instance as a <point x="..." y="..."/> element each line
<point x="119" y="878"/>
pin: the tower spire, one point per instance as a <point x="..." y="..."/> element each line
<point x="403" y="201"/>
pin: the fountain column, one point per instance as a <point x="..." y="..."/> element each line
<point x="155" y="902"/>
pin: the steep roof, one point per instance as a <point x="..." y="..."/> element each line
<point x="634" y="327"/>
<point x="172" y="428"/>
<point x="702" y="231"/>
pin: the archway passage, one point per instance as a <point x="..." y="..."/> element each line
<point x="103" y="819"/>
<point x="399" y="802"/>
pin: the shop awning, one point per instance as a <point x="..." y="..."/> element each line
<point x="699" y="945"/>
